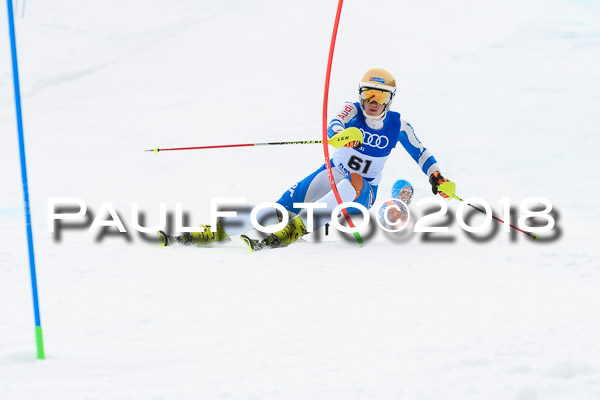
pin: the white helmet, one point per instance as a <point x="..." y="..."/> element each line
<point x="379" y="85"/>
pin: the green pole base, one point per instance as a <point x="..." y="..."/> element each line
<point x="39" y="340"/>
<point x="358" y="238"/>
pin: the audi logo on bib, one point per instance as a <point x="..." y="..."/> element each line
<point x="375" y="140"/>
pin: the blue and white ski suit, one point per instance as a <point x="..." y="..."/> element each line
<point x="380" y="138"/>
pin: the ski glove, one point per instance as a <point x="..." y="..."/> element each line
<point x="436" y="179"/>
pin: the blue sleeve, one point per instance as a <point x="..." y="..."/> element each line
<point x="334" y="126"/>
<point x="416" y="150"/>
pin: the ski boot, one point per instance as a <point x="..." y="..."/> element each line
<point x="196" y="238"/>
<point x="294" y="230"/>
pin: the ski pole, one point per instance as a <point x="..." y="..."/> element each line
<point x="338" y="140"/>
<point x="156" y="149"/>
<point x="449" y="188"/>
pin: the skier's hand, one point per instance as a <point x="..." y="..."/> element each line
<point x="353" y="144"/>
<point x="436" y="179"/>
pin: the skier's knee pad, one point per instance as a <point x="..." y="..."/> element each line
<point x="364" y="192"/>
<point x="357" y="181"/>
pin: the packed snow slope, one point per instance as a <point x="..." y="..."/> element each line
<point x="506" y="96"/>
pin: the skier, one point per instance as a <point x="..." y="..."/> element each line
<point x="357" y="167"/>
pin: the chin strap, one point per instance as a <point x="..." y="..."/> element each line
<point x="374" y="118"/>
<point x="380" y="116"/>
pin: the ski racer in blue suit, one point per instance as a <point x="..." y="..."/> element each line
<point x="356" y="168"/>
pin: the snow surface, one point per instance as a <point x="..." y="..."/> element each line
<point x="505" y="94"/>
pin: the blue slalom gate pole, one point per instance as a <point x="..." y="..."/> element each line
<point x="36" y="307"/>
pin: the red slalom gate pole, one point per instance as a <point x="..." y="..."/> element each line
<point x="325" y="101"/>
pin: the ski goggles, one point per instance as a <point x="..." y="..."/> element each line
<point x="373" y="95"/>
